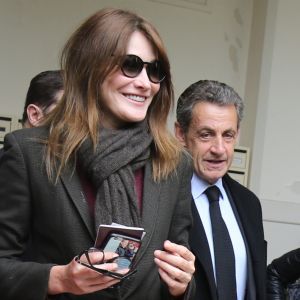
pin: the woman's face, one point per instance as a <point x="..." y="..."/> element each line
<point x="124" y="99"/>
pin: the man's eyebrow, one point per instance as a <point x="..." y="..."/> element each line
<point x="230" y="130"/>
<point x="206" y="128"/>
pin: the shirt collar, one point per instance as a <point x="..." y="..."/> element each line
<point x="199" y="186"/>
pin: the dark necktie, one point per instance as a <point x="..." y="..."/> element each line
<point x="224" y="254"/>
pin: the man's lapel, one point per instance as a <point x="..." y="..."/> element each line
<point x="200" y="247"/>
<point x="240" y="212"/>
<point x="241" y="209"/>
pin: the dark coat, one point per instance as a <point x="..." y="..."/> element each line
<point x="249" y="213"/>
<point x="281" y="272"/>
<point x="43" y="224"/>
<point x="1" y="152"/>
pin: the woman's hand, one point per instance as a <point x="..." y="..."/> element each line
<point x="176" y="266"/>
<point x="77" y="279"/>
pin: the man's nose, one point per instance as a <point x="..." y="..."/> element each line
<point x="218" y="145"/>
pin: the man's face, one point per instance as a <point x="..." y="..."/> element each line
<point x="211" y="139"/>
<point x="124" y="243"/>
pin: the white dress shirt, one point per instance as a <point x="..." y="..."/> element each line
<point x="198" y="188"/>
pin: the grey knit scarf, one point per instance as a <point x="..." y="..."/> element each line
<point x="111" y="171"/>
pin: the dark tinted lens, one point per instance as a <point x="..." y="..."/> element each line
<point x="155" y="72"/>
<point x="132" y="66"/>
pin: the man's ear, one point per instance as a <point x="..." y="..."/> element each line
<point x="34" y="115"/>
<point x="180" y="135"/>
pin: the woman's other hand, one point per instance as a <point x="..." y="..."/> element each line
<point x="176" y="266"/>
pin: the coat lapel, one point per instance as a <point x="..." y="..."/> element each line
<point x="200" y="247"/>
<point x="242" y="214"/>
<point x="243" y="210"/>
<point x="151" y="196"/>
<point x="72" y="184"/>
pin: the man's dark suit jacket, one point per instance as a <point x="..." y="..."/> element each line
<point x="247" y="209"/>
<point x="55" y="219"/>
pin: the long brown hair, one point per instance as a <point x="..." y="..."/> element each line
<point x="92" y="52"/>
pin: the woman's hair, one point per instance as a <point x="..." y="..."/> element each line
<point x="92" y="53"/>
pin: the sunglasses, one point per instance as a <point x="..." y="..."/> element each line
<point x="133" y="65"/>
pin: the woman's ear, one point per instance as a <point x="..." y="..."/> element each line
<point x="179" y="133"/>
<point x="34" y="115"/>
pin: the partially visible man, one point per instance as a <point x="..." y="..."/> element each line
<point x="44" y="91"/>
<point x="208" y="122"/>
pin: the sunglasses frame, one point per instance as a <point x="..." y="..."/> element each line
<point x="104" y="272"/>
<point x="139" y="67"/>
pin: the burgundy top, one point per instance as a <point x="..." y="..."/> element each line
<point x="90" y="192"/>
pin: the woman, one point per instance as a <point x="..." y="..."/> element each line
<point x="104" y="155"/>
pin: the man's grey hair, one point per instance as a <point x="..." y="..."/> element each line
<point x="206" y="91"/>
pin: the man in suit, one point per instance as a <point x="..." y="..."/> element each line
<point x="45" y="90"/>
<point x="208" y="122"/>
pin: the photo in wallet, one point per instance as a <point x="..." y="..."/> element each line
<point x="123" y="240"/>
<point x="125" y="246"/>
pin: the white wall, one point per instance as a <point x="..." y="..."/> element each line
<point x="275" y="176"/>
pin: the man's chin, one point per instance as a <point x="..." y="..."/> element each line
<point x="214" y="177"/>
